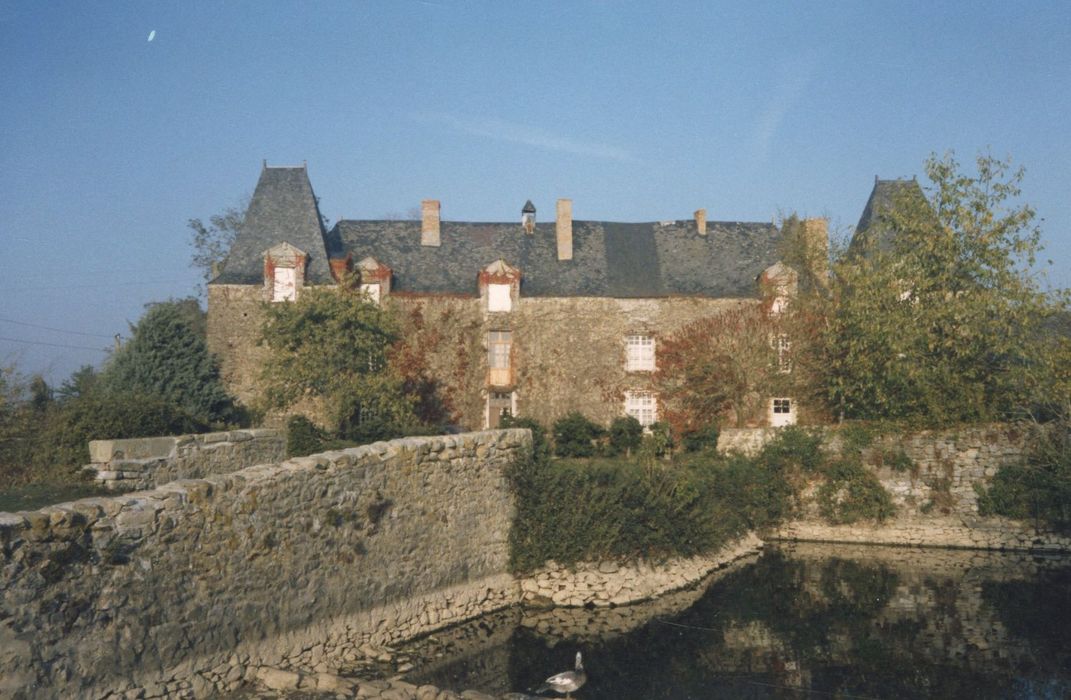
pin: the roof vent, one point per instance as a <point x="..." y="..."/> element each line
<point x="528" y="216"/>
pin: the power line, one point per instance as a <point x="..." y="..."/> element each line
<point x="53" y="345"/>
<point x="49" y="328"/>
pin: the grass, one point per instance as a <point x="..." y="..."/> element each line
<point x="39" y="495"/>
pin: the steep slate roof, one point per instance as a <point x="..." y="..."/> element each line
<point x="609" y="259"/>
<point x="283" y="208"/>
<point x="882" y="198"/>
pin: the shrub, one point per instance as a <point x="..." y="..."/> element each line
<point x="303" y="437"/>
<point x="700" y="439"/>
<point x="540" y="448"/>
<point x="626" y="433"/>
<point x="575" y="435"/>
<point x="1039" y="488"/>
<point x="851" y="493"/>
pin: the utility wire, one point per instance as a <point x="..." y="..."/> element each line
<point x="58" y="330"/>
<point x="53" y="345"/>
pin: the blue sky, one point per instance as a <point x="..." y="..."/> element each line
<point x="109" y="142"/>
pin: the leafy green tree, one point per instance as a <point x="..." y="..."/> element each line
<point x="167" y="358"/>
<point x="626" y="433"/>
<point x="939" y="317"/>
<point x="81" y="383"/>
<point x="331" y="346"/>
<point x="575" y="435"/>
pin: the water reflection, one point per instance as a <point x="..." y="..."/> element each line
<point x="802" y="620"/>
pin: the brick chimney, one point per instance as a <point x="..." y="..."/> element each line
<point x="565" y="229"/>
<point x="816" y="247"/>
<point x="429" y="226"/>
<point x="701" y="221"/>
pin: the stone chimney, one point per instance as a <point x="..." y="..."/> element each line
<point x="565" y="229"/>
<point x="701" y="221"/>
<point x="429" y="226"/>
<point x="816" y="249"/>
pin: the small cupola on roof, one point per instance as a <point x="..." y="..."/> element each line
<point x="528" y="218"/>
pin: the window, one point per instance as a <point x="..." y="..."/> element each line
<point x="783" y="347"/>
<point x="499" y="344"/>
<point x="499" y="297"/>
<point x="284" y="286"/>
<point x="781" y="412"/>
<point x="500" y="403"/>
<point x="643" y="406"/>
<point x="371" y="291"/>
<point x="641" y="353"/>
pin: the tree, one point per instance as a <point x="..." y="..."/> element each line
<point x="331" y="346"/>
<point x="81" y="383"/>
<point x="718" y="366"/>
<point x="167" y="358"/>
<point x="211" y="242"/>
<point x="939" y="317"/>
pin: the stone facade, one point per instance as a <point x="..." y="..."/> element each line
<point x="190" y="587"/>
<point x="145" y="463"/>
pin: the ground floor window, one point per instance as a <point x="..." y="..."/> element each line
<point x="782" y="412"/>
<point x="500" y="403"/>
<point x="643" y="406"/>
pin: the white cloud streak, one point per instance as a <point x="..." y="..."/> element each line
<point x="792" y="81"/>
<point x="524" y="134"/>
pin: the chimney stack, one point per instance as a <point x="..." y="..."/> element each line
<point x="565" y="229"/>
<point x="429" y="226"/>
<point x="816" y="247"/>
<point x="701" y="221"/>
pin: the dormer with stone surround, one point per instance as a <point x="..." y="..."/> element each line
<point x="284" y="272"/>
<point x="500" y="287"/>
<point x="374" y="278"/>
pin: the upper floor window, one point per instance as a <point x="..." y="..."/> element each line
<point x="284" y="285"/>
<point x="643" y="406"/>
<point x="499" y="298"/>
<point x="372" y="291"/>
<point x="641" y="353"/>
<point x="499" y="345"/>
<point x="783" y="347"/>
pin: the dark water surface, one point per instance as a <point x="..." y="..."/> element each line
<point x="799" y="621"/>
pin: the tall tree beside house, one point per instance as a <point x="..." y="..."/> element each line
<point x="934" y="312"/>
<point x="167" y="358"/>
<point x="720" y="368"/>
<point x="331" y="346"/>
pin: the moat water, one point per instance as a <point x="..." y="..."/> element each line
<point x="797" y="621"/>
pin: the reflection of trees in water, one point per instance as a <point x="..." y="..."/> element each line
<point x="873" y="622"/>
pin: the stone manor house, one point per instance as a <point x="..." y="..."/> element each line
<point x="533" y="317"/>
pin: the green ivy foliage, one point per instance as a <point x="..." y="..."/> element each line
<point x="1039" y="488"/>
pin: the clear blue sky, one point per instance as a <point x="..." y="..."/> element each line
<point x="109" y="142"/>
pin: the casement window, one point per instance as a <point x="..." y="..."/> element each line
<point x="782" y="412"/>
<point x="499" y="404"/>
<point x="499" y="345"/>
<point x="499" y="297"/>
<point x="640" y="353"/>
<point x="372" y="292"/>
<point x="284" y="284"/>
<point x="783" y="347"/>
<point x="643" y="406"/>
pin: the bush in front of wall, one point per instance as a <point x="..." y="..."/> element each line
<point x="851" y="493"/>
<point x="540" y="448"/>
<point x="575" y="435"/>
<point x="626" y="433"/>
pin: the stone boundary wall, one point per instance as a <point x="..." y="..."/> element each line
<point x="607" y="583"/>
<point x="145" y="463"/>
<point x="935" y="496"/>
<point x="188" y="588"/>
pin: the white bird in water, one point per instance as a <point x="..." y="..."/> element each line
<point x="566" y="682"/>
<point x="152" y="35"/>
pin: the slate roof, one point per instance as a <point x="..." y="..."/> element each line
<point x="882" y="198"/>
<point x="283" y="208"/>
<point x="624" y="260"/>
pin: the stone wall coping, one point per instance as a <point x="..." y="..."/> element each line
<point x="104" y="451"/>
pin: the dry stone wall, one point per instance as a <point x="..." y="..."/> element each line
<point x="145" y="463"/>
<point x="189" y="588"/>
<point x="932" y="477"/>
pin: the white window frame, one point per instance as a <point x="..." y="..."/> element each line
<point x="284" y="284"/>
<point x="643" y="406"/>
<point x="639" y="353"/>
<point x="373" y="291"/>
<point x="499" y="297"/>
<point x="782" y="411"/>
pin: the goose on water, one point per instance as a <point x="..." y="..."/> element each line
<point x="566" y="682"/>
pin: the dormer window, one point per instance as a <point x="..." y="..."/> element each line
<point x="500" y="286"/>
<point x="375" y="279"/>
<point x="284" y="286"/>
<point x="284" y="272"/>
<point x="371" y="292"/>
